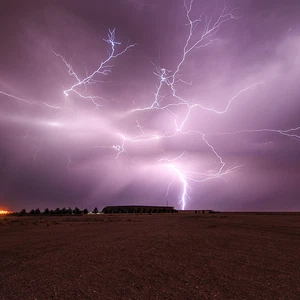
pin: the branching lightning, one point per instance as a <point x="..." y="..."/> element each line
<point x="104" y="69"/>
<point x="292" y="132"/>
<point x="206" y="29"/>
<point x="170" y="79"/>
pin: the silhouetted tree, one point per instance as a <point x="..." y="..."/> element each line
<point x="64" y="211"/>
<point x="32" y="212"/>
<point x="77" y="211"/>
<point x="46" y="211"/>
<point x="37" y="211"/>
<point x="95" y="211"/>
<point x="22" y="212"/>
<point x="69" y="211"/>
<point x="85" y="211"/>
<point x="57" y="211"/>
<point x="52" y="212"/>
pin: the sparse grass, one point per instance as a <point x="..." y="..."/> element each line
<point x="15" y="221"/>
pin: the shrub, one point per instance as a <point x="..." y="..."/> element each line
<point x="22" y="212"/>
<point x="57" y="211"/>
<point x="64" y="211"/>
<point x="46" y="211"/>
<point x="77" y="211"/>
<point x="95" y="211"/>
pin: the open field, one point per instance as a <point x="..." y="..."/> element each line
<point x="180" y="256"/>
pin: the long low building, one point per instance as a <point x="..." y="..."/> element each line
<point x="138" y="209"/>
<point x="205" y="211"/>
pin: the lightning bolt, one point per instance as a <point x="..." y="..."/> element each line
<point x="206" y="30"/>
<point x="184" y="195"/>
<point x="185" y="176"/>
<point x="104" y="69"/>
<point x="292" y="132"/>
<point x="16" y="97"/>
<point x="170" y="79"/>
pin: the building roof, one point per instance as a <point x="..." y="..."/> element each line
<point x="138" y="206"/>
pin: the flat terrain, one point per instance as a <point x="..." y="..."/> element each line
<point x="179" y="256"/>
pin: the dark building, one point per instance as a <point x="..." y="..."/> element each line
<point x="137" y="209"/>
<point x="206" y="211"/>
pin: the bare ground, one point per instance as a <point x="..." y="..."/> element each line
<point x="180" y="256"/>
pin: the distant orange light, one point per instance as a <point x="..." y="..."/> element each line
<point x="4" y="212"/>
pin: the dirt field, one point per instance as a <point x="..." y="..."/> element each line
<point x="180" y="256"/>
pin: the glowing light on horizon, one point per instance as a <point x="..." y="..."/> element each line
<point x="4" y="212"/>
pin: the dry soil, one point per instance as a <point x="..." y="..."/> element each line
<point x="179" y="256"/>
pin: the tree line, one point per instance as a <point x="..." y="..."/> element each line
<point x="57" y="211"/>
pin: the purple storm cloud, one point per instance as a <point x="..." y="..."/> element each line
<point x="190" y="103"/>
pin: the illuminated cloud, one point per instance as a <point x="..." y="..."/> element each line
<point x="196" y="105"/>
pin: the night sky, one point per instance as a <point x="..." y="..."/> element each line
<point x="201" y="121"/>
